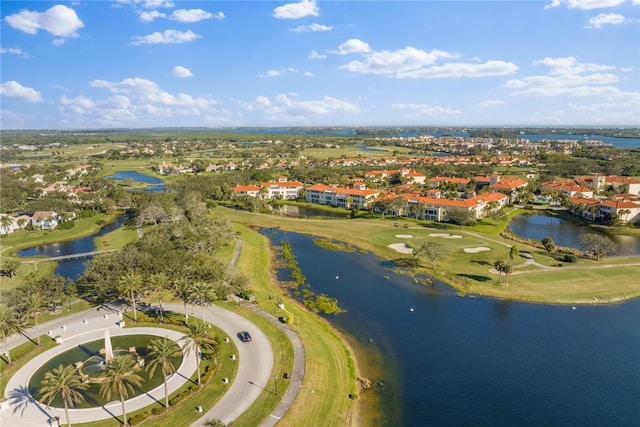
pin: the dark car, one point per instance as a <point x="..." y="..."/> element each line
<point x="244" y="336"/>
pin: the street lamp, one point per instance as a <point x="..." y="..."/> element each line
<point x="275" y="383"/>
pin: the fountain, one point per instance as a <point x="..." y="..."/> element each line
<point x="108" y="350"/>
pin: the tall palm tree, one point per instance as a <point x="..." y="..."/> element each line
<point x="9" y="324"/>
<point x="5" y="224"/>
<point x="66" y="382"/>
<point x="199" y="341"/>
<point x="120" y="376"/>
<point x="163" y="352"/>
<point x="203" y="293"/>
<point x="513" y="254"/>
<point x="181" y="287"/>
<point x="130" y="285"/>
<point x="158" y="284"/>
<point x="34" y="303"/>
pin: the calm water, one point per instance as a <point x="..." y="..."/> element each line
<point x="565" y="233"/>
<point x="477" y="361"/>
<point x="307" y="212"/>
<point x="616" y="142"/>
<point x="155" y="184"/>
<point x="72" y="268"/>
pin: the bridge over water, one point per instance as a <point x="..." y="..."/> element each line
<point x="72" y="256"/>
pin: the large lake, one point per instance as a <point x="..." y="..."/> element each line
<point x="477" y="361"/>
<point x="565" y="233"/>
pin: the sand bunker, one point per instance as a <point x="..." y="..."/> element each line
<point x="401" y="247"/>
<point x="477" y="249"/>
<point x="446" y="235"/>
<point x="404" y="236"/>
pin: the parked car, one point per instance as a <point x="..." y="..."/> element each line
<point x="244" y="336"/>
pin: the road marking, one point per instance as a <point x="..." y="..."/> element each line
<point x="273" y="416"/>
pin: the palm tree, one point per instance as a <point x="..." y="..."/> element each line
<point x="34" y="303"/>
<point x="203" y="293"/>
<point x="8" y="324"/>
<point x="625" y="213"/>
<point x="120" y="376"/>
<point x="66" y="382"/>
<point x="549" y="245"/>
<point x="163" y="352"/>
<point x="5" y="224"/>
<point x="198" y="339"/>
<point x="513" y="253"/>
<point x="182" y="289"/>
<point x="130" y="283"/>
<point x="158" y="284"/>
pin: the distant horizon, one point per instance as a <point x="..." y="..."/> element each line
<point x="140" y="64"/>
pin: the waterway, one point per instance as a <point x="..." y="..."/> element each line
<point x="455" y="361"/>
<point x="154" y="184"/>
<point x="71" y="269"/>
<point x="565" y="233"/>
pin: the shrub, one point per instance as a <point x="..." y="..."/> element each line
<point x="570" y="258"/>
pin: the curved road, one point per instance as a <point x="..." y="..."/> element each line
<point x="255" y="361"/>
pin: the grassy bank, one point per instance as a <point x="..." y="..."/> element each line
<point x="586" y="281"/>
<point x="329" y="364"/>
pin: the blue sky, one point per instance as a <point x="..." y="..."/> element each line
<point x="157" y="63"/>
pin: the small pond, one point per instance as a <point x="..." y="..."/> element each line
<point x="155" y="184"/>
<point x="565" y="233"/>
<point x="309" y="212"/>
<point x="72" y="268"/>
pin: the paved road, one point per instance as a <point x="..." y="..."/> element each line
<point x="255" y="365"/>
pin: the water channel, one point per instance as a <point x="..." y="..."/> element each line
<point x="448" y="360"/>
<point x="565" y="233"/>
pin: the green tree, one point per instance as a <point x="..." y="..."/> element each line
<point x="460" y="217"/>
<point x="431" y="250"/>
<point x="163" y="353"/>
<point x="34" y="303"/>
<point x="549" y="245"/>
<point x="597" y="244"/>
<point x="513" y="253"/>
<point x="203" y="293"/>
<point x="130" y="284"/>
<point x="66" y="382"/>
<point x="158" y="284"/>
<point x="120" y="376"/>
<point x="200" y="341"/>
<point x="8" y="325"/>
<point x="181" y="288"/>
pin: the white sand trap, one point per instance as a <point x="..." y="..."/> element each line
<point x="477" y="249"/>
<point x="401" y="247"/>
<point x="404" y="236"/>
<point x="446" y="235"/>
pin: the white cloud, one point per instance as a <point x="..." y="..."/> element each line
<point x="568" y="77"/>
<point x="569" y="65"/>
<point x="14" y="90"/>
<point x="426" y="110"/>
<point x="461" y="69"/>
<point x="491" y="103"/>
<point x="193" y="15"/>
<point x="308" y="74"/>
<point x="315" y="55"/>
<point x="150" y="15"/>
<point x="149" y="92"/>
<point x="14" y="51"/>
<point x="148" y="4"/>
<point x="311" y="28"/>
<point x="353" y="46"/>
<point x="286" y="107"/>
<point x="58" y="20"/>
<point x="180" y="71"/>
<point x="606" y="19"/>
<point x="278" y="73"/>
<point x="296" y="10"/>
<point x="586" y="4"/>
<point x="636" y="2"/>
<point x="399" y="61"/>
<point x="165" y="37"/>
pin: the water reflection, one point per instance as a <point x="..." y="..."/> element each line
<point x="565" y="233"/>
<point x="479" y="361"/>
